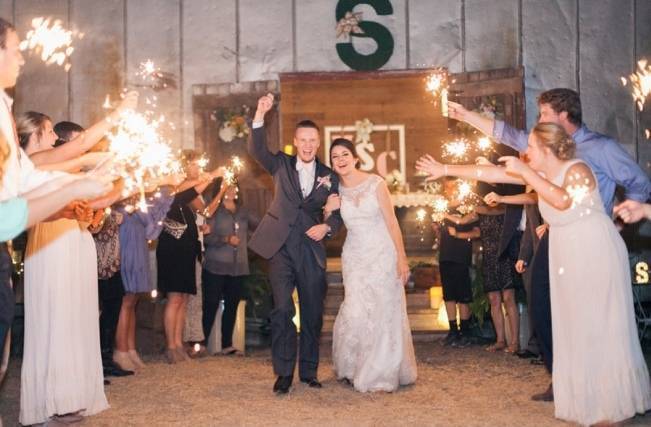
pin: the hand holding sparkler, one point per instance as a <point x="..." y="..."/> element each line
<point x="513" y="165"/>
<point x="492" y="199"/>
<point x="457" y="111"/>
<point x="434" y="169"/>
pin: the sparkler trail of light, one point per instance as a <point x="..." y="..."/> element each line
<point x="420" y="215"/>
<point x="51" y="41"/>
<point x="464" y="189"/>
<point x="640" y="83"/>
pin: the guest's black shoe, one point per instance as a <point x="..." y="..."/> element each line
<point x="311" y="382"/>
<point x="537" y="361"/>
<point x="546" y="396"/>
<point x="116" y="371"/>
<point x="450" y="338"/>
<point x="461" y="341"/>
<point x="282" y="385"/>
<point x="107" y="382"/>
<point x="525" y="354"/>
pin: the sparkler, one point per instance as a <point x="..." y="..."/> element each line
<point x="640" y="83"/>
<point x="437" y="84"/>
<point x="456" y="150"/>
<point x="53" y="43"/>
<point x="484" y="144"/>
<point x="141" y="152"/>
<point x="152" y="77"/>
<point x="440" y="207"/>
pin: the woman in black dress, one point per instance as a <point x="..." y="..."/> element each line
<point x="177" y="252"/>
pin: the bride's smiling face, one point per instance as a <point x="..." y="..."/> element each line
<point x="342" y="159"/>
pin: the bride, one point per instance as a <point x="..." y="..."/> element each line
<point x="372" y="344"/>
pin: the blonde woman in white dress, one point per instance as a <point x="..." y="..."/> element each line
<point x="599" y="373"/>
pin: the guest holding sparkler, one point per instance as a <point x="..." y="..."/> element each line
<point x="455" y="257"/>
<point x="226" y="261"/>
<point x="177" y="252"/>
<point x="592" y="303"/>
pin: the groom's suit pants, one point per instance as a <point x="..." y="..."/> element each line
<point x="296" y="266"/>
<point x="7" y="302"/>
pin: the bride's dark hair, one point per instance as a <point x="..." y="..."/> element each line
<point x="347" y="144"/>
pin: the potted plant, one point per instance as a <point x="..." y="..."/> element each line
<point x="425" y="275"/>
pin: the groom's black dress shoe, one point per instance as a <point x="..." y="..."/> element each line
<point x="311" y="382"/>
<point x="282" y="384"/>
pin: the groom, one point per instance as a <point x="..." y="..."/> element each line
<point x="291" y="236"/>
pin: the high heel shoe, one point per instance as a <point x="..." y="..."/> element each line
<point x="122" y="359"/>
<point x="135" y="358"/>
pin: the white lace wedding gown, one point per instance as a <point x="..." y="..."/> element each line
<point x="372" y="344"/>
<point x="599" y="371"/>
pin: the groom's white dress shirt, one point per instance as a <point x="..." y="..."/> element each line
<point x="306" y="173"/>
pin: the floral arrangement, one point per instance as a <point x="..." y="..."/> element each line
<point x="394" y="180"/>
<point x="349" y="24"/>
<point x="233" y="122"/>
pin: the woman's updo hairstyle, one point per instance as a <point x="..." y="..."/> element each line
<point x="347" y="144"/>
<point x="555" y="138"/>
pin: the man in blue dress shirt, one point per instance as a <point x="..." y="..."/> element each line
<point x="611" y="164"/>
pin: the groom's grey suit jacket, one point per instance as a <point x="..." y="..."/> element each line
<point x="290" y="214"/>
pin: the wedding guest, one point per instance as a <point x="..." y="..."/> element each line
<point x="177" y="252"/>
<point x="226" y="261"/>
<point x="136" y="230"/>
<point x="592" y="302"/>
<point x="455" y="258"/>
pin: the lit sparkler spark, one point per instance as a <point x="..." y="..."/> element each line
<point x="464" y="189"/>
<point x="53" y="43"/>
<point x="237" y="164"/>
<point x="456" y="150"/>
<point x="203" y="162"/>
<point x="229" y="176"/>
<point x="141" y="153"/>
<point x="440" y="207"/>
<point x="152" y="77"/>
<point x="640" y="83"/>
<point x="420" y="215"/>
<point x="484" y="144"/>
<point x="435" y="82"/>
<point x="578" y="193"/>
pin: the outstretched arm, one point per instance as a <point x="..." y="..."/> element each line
<point x="389" y="215"/>
<point x="578" y="182"/>
<point x="87" y="139"/>
<point x="498" y="130"/>
<point x="491" y="174"/>
<point x="493" y="199"/>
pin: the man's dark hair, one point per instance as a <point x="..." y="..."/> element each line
<point x="5" y="27"/>
<point x="64" y="131"/>
<point x="308" y="124"/>
<point x="563" y="99"/>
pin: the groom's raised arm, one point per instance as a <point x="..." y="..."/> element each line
<point x="257" y="143"/>
<point x="257" y="147"/>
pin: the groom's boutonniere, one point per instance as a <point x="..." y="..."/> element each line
<point x="325" y="181"/>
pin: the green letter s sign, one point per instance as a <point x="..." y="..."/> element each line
<point x="377" y="32"/>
